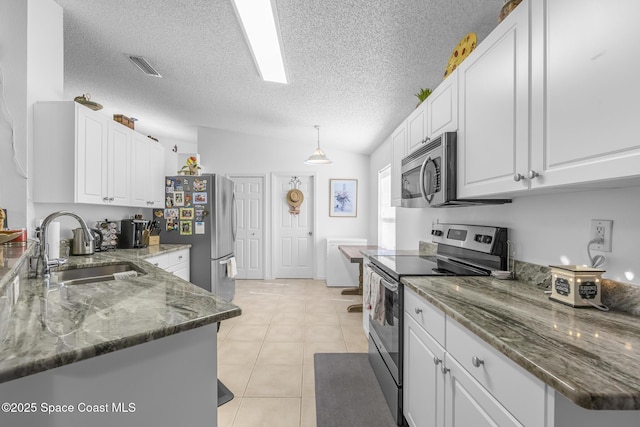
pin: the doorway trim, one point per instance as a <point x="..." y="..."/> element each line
<point x="272" y="231"/>
<point x="264" y="217"/>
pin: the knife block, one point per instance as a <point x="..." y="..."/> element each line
<point x="148" y="239"/>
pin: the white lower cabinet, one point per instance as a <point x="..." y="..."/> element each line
<point x="173" y="262"/>
<point x="423" y="383"/>
<point x="441" y="390"/>
<point x="467" y="403"/>
<point x="468" y="383"/>
<point x="516" y="389"/>
<point x="179" y="264"/>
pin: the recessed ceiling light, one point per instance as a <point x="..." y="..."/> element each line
<point x="259" y="23"/>
<point x="144" y="66"/>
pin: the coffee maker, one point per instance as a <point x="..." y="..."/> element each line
<point x="131" y="231"/>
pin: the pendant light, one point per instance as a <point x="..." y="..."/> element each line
<point x="318" y="157"/>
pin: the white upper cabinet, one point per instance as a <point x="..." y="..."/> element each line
<point x="493" y="135"/>
<point x="156" y="172"/>
<point x="437" y="114"/>
<point x="92" y="165"/>
<point x="70" y="156"/>
<point x="118" y="164"/>
<point x="147" y="172"/>
<point x="585" y="91"/>
<point x="570" y="120"/>
<point x="82" y="156"/>
<point x="442" y="107"/>
<point x="417" y="127"/>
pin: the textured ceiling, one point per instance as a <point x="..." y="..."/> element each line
<point x="353" y="65"/>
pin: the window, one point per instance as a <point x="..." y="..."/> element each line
<point x="386" y="212"/>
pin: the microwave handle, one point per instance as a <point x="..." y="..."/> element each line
<point x="423" y="190"/>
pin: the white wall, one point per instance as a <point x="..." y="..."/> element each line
<point x="171" y="163"/>
<point x="235" y="153"/>
<point x="31" y="57"/>
<point x="546" y="227"/>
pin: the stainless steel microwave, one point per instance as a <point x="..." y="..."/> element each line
<point x="429" y="176"/>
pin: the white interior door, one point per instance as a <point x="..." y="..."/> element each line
<point x="294" y="243"/>
<point x="249" y="254"/>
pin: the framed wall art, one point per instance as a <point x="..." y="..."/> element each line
<point x="344" y="197"/>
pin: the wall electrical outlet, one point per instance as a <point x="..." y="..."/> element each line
<point x="602" y="229"/>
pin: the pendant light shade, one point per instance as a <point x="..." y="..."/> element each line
<point x="318" y="157"/>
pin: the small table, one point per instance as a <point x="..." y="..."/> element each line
<point x="353" y="254"/>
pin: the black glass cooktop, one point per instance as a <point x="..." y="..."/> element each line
<point x="397" y="266"/>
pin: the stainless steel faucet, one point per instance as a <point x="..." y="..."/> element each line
<point x="43" y="250"/>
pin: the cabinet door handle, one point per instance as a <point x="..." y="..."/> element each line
<point x="418" y="310"/>
<point x="111" y="199"/>
<point x="518" y="177"/>
<point x="444" y="369"/>
<point x="436" y="361"/>
<point x="105" y="199"/>
<point x="475" y="361"/>
<point x="533" y="174"/>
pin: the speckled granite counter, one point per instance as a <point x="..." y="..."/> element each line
<point x="589" y="356"/>
<point x="42" y="329"/>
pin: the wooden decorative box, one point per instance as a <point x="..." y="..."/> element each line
<point x="120" y="118"/>
<point x="576" y="285"/>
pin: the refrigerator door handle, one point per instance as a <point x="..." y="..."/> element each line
<point x="234" y="217"/>
<point x="225" y="259"/>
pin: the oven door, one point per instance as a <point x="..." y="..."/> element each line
<point x="385" y="325"/>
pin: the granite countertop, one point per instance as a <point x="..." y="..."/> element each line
<point x="591" y="357"/>
<point x="42" y="328"/>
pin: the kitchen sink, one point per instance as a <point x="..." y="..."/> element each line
<point x="102" y="273"/>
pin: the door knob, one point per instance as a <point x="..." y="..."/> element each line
<point x="311" y="233"/>
<point x="517" y="177"/>
<point x="533" y="174"/>
<point x="436" y="360"/>
<point x="444" y="370"/>
<point x="418" y="310"/>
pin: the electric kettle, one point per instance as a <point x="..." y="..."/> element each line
<point x="80" y="244"/>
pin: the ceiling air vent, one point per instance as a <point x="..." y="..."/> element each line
<point x="144" y="66"/>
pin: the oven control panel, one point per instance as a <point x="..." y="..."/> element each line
<point x="485" y="239"/>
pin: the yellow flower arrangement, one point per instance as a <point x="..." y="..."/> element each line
<point x="191" y="166"/>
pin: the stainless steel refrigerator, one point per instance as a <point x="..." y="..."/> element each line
<point x="201" y="211"/>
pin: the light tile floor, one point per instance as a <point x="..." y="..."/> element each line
<point x="265" y="356"/>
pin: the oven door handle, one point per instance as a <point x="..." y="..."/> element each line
<point x="384" y="276"/>
<point x="393" y="287"/>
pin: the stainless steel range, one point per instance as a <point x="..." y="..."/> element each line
<point x="463" y="250"/>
